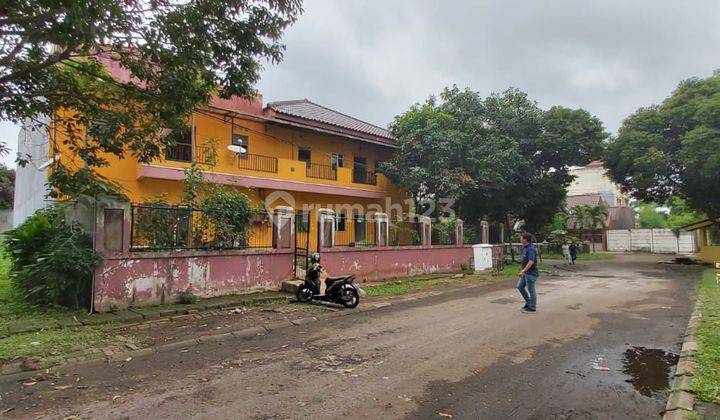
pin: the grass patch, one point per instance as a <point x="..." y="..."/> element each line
<point x="586" y="257"/>
<point x="706" y="382"/>
<point x="55" y="343"/>
<point x="400" y="287"/>
<point x="512" y="269"/>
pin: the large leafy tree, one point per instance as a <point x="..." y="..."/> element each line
<point x="500" y="156"/>
<point x="673" y="149"/>
<point x="172" y="55"/>
<point x="7" y="187"/>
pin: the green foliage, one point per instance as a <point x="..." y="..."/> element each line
<point x="7" y="187"/>
<point x="188" y="298"/>
<point x="673" y="149"/>
<point x="177" y="55"/>
<point x="195" y="184"/>
<point x="500" y="156"/>
<point x="650" y="218"/>
<point x="53" y="262"/>
<point x="443" y="231"/>
<point x="586" y="217"/>
<point x="228" y="215"/>
<point x="706" y="382"/>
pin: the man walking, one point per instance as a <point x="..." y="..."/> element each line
<point x="528" y="274"/>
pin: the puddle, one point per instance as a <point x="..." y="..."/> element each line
<point x="649" y="369"/>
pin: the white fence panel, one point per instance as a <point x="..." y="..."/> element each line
<point x="618" y="240"/>
<point x="651" y="240"/>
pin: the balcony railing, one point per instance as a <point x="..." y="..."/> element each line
<point x="361" y="176"/>
<point x="257" y="162"/>
<point x="315" y="170"/>
<point x="203" y="154"/>
<point x="179" y="152"/>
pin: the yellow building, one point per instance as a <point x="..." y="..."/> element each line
<point x="292" y="153"/>
<point x="709" y="240"/>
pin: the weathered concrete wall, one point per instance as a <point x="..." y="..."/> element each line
<point x="31" y="179"/>
<point x="651" y="240"/>
<point x="147" y="278"/>
<point x="380" y="263"/>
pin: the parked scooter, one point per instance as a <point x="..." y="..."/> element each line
<point x="342" y="290"/>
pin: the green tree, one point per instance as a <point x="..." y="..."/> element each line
<point x="177" y="55"/>
<point x="7" y="187"/>
<point x="650" y="218"/>
<point x="673" y="149"/>
<point x="501" y="156"/>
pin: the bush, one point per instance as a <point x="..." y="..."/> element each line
<point x="229" y="215"/>
<point x="443" y="232"/>
<point x="53" y="262"/>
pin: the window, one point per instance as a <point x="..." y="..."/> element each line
<point x="180" y="146"/>
<point x="242" y="141"/>
<point x="304" y="154"/>
<point x="340" y="222"/>
<point x="337" y="161"/>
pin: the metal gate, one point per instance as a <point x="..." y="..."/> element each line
<point x="302" y="244"/>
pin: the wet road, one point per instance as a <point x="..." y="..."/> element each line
<point x="469" y="353"/>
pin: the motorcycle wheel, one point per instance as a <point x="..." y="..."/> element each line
<point x="350" y="297"/>
<point x="304" y="294"/>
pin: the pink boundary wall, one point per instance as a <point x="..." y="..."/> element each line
<point x="370" y="264"/>
<point x="147" y="278"/>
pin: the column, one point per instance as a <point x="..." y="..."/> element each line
<point x="283" y="227"/>
<point x="326" y="228"/>
<point x="459" y="232"/>
<point x="485" y="232"/>
<point x="425" y="231"/>
<point x="382" y="229"/>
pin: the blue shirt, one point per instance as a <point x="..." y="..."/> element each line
<point x="529" y="253"/>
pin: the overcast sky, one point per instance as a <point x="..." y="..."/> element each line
<point x="372" y="59"/>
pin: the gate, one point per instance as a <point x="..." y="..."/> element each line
<point x="302" y="244"/>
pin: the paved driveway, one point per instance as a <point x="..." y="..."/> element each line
<point x="468" y="353"/>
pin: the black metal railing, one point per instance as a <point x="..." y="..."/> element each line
<point x="179" y="152"/>
<point x="405" y="233"/>
<point x="356" y="232"/>
<point x="361" y="176"/>
<point x="165" y="227"/>
<point x="257" y="162"/>
<point x="205" y="155"/>
<point x="315" y="170"/>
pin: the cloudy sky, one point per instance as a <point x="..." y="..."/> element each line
<point x="374" y="58"/>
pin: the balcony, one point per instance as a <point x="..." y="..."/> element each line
<point x="268" y="172"/>
<point x="258" y="163"/>
<point x="179" y="152"/>
<point x="361" y="176"/>
<point x="318" y="171"/>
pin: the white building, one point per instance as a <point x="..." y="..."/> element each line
<point x="593" y="179"/>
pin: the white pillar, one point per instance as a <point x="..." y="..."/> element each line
<point x="326" y="228"/>
<point x="382" y="229"/>
<point x="283" y="227"/>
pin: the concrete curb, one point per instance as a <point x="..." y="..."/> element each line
<point x="680" y="401"/>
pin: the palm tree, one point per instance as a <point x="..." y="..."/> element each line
<point x="597" y="216"/>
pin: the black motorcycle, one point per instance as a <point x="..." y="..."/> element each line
<point x="342" y="290"/>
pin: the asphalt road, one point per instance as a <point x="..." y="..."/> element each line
<point x="468" y="353"/>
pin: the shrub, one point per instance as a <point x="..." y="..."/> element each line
<point x="444" y="231"/>
<point x="188" y="298"/>
<point x="53" y="262"/>
<point x="229" y="215"/>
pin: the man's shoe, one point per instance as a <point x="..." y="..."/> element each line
<point x="524" y="307"/>
<point x="528" y="311"/>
